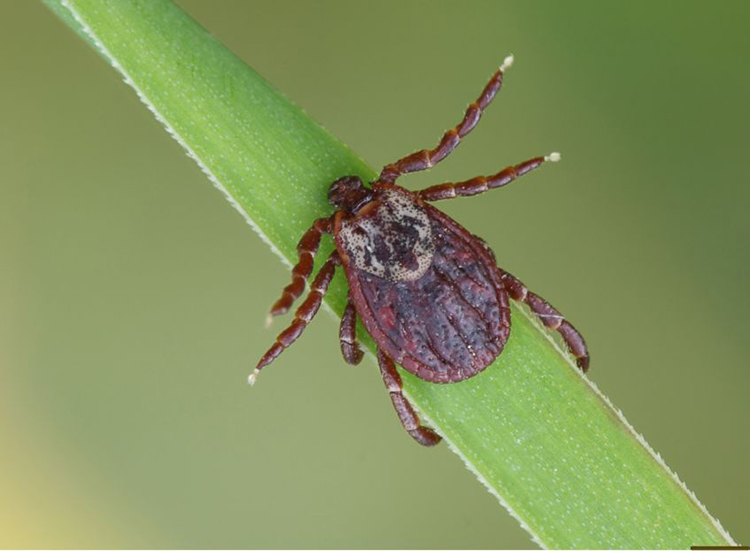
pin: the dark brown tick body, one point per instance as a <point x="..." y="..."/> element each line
<point x="427" y="290"/>
<point x="429" y="294"/>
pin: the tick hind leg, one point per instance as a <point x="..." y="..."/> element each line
<point x="302" y="316"/>
<point x="405" y="411"/>
<point x="306" y="249"/>
<point x="427" y="158"/>
<point x="550" y="317"/>
<point x="348" y="335"/>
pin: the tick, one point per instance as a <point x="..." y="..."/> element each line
<point x="427" y="290"/>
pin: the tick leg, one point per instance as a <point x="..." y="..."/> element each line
<point x="427" y="158"/>
<point x="306" y="250"/>
<point x="480" y="184"/>
<point x="406" y="414"/>
<point x="550" y="317"/>
<point x="348" y="335"/>
<point x="302" y="316"/>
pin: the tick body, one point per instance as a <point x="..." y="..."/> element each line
<point x="429" y="292"/>
<point x="426" y="289"/>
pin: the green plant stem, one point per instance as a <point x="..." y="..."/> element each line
<point x="537" y="433"/>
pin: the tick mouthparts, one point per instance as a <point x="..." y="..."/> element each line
<point x="553" y="157"/>
<point x="253" y="376"/>
<point x="507" y="63"/>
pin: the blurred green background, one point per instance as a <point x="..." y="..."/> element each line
<point x="132" y="296"/>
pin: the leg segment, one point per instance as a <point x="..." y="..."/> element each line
<point x="427" y="158"/>
<point x="406" y="414"/>
<point x="348" y="335"/>
<point x="550" y="317"/>
<point x="306" y="250"/>
<point x="302" y="316"/>
<point x="480" y="184"/>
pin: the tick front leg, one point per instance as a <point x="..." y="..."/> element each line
<point x="427" y="158"/>
<point x="302" y="316"/>
<point x="348" y="335"/>
<point x="306" y="250"/>
<point x="480" y="184"/>
<point x="406" y="414"/>
<point x="550" y="317"/>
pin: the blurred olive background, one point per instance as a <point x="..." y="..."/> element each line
<point x="132" y="296"/>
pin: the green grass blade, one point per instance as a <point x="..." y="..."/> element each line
<point x="540" y="436"/>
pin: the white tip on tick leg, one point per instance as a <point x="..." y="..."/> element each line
<point x="253" y="376"/>
<point x="553" y="157"/>
<point x="269" y="321"/>
<point x="507" y="62"/>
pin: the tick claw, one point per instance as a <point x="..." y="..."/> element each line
<point x="253" y="376"/>
<point x="553" y="157"/>
<point x="507" y="62"/>
<point x="269" y="321"/>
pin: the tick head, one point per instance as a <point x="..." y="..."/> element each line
<point x="348" y="194"/>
